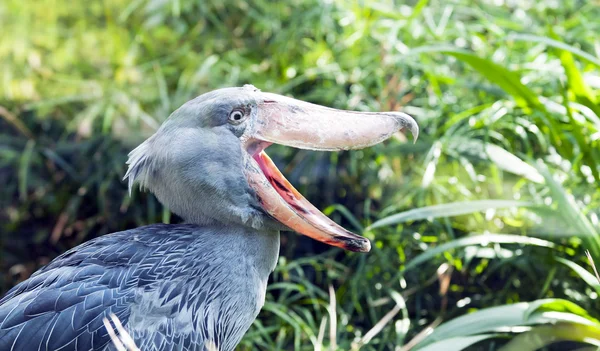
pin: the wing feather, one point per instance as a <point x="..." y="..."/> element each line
<point x="153" y="270"/>
<point x="62" y="305"/>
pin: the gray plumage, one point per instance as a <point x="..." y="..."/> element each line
<point x="166" y="284"/>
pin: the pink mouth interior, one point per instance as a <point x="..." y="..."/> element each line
<point x="309" y="220"/>
<point x="283" y="187"/>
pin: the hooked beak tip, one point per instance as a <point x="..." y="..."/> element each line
<point x="366" y="247"/>
<point x="414" y="130"/>
<point x="415" y="133"/>
<point x="407" y="122"/>
<point x="355" y="244"/>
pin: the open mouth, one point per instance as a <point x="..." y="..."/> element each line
<point x="294" y="211"/>
<point x="303" y="125"/>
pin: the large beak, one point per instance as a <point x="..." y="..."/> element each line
<point x="286" y="121"/>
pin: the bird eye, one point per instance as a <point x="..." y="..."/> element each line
<point x="236" y="116"/>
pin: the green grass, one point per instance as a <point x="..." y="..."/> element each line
<point x="479" y="229"/>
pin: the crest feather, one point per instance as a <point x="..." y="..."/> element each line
<point x="141" y="164"/>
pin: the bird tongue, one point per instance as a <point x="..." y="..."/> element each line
<point x="282" y="201"/>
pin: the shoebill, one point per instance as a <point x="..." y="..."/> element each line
<point x="198" y="285"/>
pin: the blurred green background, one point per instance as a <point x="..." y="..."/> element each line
<point x="479" y="229"/>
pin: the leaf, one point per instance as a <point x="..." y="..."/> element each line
<point x="107" y="122"/>
<point x="556" y="44"/>
<point x="538" y="337"/>
<point x="584" y="274"/>
<point x="576" y="82"/>
<point x="479" y="322"/>
<point x="585" y="96"/>
<point x="482" y="239"/>
<point x="506" y="79"/>
<point x="456" y="344"/>
<point x="511" y="163"/>
<point x="570" y="212"/>
<point x="505" y="318"/>
<point x="447" y="210"/>
<point x="497" y="155"/>
<point x="61" y="162"/>
<point x="24" y="165"/>
<point x="540" y="311"/>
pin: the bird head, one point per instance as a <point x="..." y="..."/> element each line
<point x="208" y="165"/>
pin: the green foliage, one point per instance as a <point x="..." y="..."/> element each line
<point x="561" y="314"/>
<point x="495" y="203"/>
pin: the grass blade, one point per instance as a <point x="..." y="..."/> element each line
<point x="506" y="79"/>
<point x="568" y="209"/>
<point x="538" y="337"/>
<point x="555" y="44"/>
<point x="456" y="344"/>
<point x="482" y="240"/>
<point x="584" y="274"/>
<point x="447" y="210"/>
<point x="500" y="157"/>
<point x="505" y="318"/>
<point x="24" y="165"/>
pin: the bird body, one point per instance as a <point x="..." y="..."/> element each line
<point x="164" y="282"/>
<point x="200" y="285"/>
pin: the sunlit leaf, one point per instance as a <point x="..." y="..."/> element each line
<point x="480" y="240"/>
<point x="585" y="275"/>
<point x="541" y="336"/>
<point x="556" y="44"/>
<point x="500" y="157"/>
<point x="568" y="209"/>
<point x="455" y="344"/>
<point x="447" y="210"/>
<point x="513" y="318"/>
<point x="500" y="75"/>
